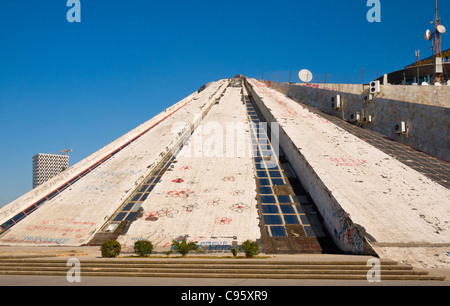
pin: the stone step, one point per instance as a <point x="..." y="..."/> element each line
<point x="188" y="268"/>
<point x="142" y="261"/>
<point x="217" y="271"/>
<point x="237" y="276"/>
<point x="215" y="266"/>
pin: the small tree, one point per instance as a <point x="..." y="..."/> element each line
<point x="143" y="248"/>
<point x="183" y="247"/>
<point x="110" y="249"/>
<point x="250" y="248"/>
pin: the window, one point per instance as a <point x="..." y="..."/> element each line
<point x="287" y="209"/>
<point x="277" y="182"/>
<point x="284" y="198"/>
<point x="120" y="216"/>
<point x="136" y="197"/>
<point x="129" y="206"/>
<point x="265" y="190"/>
<point x="273" y="219"/>
<point x="270" y="209"/>
<point x="278" y="231"/>
<point x="291" y="219"/>
<point x="264" y="182"/>
<point x="268" y="199"/>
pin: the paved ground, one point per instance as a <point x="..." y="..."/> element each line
<point x="195" y="282"/>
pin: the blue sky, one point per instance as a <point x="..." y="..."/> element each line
<point x="82" y="85"/>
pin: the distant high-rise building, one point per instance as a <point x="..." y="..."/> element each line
<point x="46" y="166"/>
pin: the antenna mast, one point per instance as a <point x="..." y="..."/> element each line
<point x="437" y="35"/>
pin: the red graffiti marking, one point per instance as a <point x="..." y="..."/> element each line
<point x="238" y="192"/>
<point x="223" y="221"/>
<point x="178" y="180"/>
<point x="181" y="193"/>
<point x="239" y="207"/>
<point x="214" y="202"/>
<point x="167" y="212"/>
<point x="151" y="216"/>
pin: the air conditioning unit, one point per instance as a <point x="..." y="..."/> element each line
<point x="375" y="87"/>
<point x="355" y="117"/>
<point x="369" y="98"/>
<point x="336" y="102"/>
<point x="400" y="128"/>
<point x="367" y="119"/>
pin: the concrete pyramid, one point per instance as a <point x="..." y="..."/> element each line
<point x="238" y="160"/>
<point x="188" y="172"/>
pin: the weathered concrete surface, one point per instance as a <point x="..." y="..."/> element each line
<point x="425" y="109"/>
<point x="369" y="200"/>
<point x="73" y="217"/>
<point x="36" y="194"/>
<point x="209" y="194"/>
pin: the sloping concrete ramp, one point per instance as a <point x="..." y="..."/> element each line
<point x="70" y="208"/>
<point x="371" y="202"/>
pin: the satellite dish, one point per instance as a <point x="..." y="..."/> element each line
<point x="441" y="29"/>
<point x="428" y="35"/>
<point x="305" y="75"/>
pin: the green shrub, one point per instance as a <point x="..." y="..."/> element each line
<point x="250" y="248"/>
<point x="234" y="251"/>
<point x="183" y="247"/>
<point x="143" y="248"/>
<point x="110" y="249"/>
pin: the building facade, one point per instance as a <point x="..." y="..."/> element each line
<point x="46" y="166"/>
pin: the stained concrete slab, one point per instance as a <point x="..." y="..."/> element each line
<point x="366" y="197"/>
<point x="74" y="216"/>
<point x="208" y="194"/>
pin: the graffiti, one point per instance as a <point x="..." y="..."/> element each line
<point x="229" y="179"/>
<point x="223" y="221"/>
<point x="149" y="216"/>
<point x="62" y="221"/>
<point x="104" y="187"/>
<point x="164" y="212"/>
<point x="215" y="202"/>
<point x="238" y="192"/>
<point x="317" y="86"/>
<point x="291" y="113"/>
<point x="185" y="168"/>
<point x="167" y="212"/>
<point x="122" y="174"/>
<point x="287" y="116"/>
<point x="338" y="213"/>
<point x="60" y="226"/>
<point x="178" y="180"/>
<point x="349" y="162"/>
<point x="350" y="235"/>
<point x="239" y="207"/>
<point x="53" y="229"/>
<point x="37" y="240"/>
<point x="190" y="208"/>
<point x="181" y="193"/>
